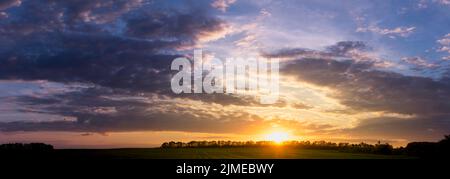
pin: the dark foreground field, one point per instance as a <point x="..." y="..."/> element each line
<point x="214" y="153"/>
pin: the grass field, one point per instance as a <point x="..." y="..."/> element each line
<point x="215" y="153"/>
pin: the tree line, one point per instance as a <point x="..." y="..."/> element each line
<point x="26" y="151"/>
<point x="20" y="147"/>
<point x="420" y="149"/>
<point x="361" y="147"/>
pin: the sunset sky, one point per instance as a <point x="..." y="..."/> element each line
<point x="96" y="73"/>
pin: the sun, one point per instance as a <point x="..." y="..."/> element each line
<point x="277" y="137"/>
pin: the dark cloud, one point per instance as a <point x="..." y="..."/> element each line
<point x="361" y="87"/>
<point x="301" y="106"/>
<point x="103" y="109"/>
<point x="86" y="134"/>
<point x="184" y="26"/>
<point x="422" y="128"/>
<point x="420" y="64"/>
<point x="324" y="72"/>
<point x="340" y="49"/>
<point x="53" y="15"/>
<point x="296" y="52"/>
<point x="344" y="47"/>
<point x="106" y="110"/>
<point x="103" y="60"/>
<point x="97" y="11"/>
<point x="123" y="48"/>
<point x="66" y="43"/>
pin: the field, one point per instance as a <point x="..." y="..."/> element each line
<point x="214" y="153"/>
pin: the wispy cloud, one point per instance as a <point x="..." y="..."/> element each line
<point x="392" y="33"/>
<point x="222" y="4"/>
<point x="444" y="46"/>
<point x="445" y="2"/>
<point x="419" y="62"/>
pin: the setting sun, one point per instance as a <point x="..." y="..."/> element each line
<point x="277" y="137"/>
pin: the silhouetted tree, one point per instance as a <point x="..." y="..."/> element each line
<point x="19" y="150"/>
<point x="419" y="149"/>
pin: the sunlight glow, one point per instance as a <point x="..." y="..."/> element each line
<point x="277" y="137"/>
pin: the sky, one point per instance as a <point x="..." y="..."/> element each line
<point x="96" y="73"/>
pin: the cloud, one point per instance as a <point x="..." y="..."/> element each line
<point x="340" y="49"/>
<point x="222" y="4"/>
<point x="392" y="33"/>
<point x="246" y="42"/>
<point x="114" y="48"/>
<point x="9" y="3"/>
<point x="86" y="134"/>
<point x="194" y="26"/>
<point x="345" y="47"/>
<point x="360" y="87"/>
<point x="419" y="63"/>
<point x="355" y="50"/>
<point x="444" y="46"/>
<point x="263" y="13"/>
<point x="106" y="110"/>
<point x="295" y="52"/>
<point x="301" y="106"/>
<point x="133" y="51"/>
<point x="421" y="128"/>
<point x="445" y="40"/>
<point x="444" y="2"/>
<point x="51" y="15"/>
<point x="422" y="4"/>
